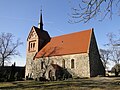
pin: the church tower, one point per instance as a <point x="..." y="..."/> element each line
<point x="36" y="40"/>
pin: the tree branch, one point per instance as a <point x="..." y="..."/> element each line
<point x="88" y="9"/>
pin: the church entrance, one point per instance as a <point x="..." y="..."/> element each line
<point x="51" y="76"/>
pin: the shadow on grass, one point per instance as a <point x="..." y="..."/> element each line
<point x="87" y="84"/>
<point x="54" y="85"/>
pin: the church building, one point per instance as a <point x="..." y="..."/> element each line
<point x="70" y="55"/>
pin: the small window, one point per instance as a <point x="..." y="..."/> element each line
<point x="72" y="63"/>
<point x="63" y="63"/>
<point x="29" y="47"/>
<point x="33" y="45"/>
<point x="52" y="62"/>
<point x="41" y="65"/>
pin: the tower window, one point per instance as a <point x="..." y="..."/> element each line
<point x="33" y="45"/>
<point x="72" y="63"/>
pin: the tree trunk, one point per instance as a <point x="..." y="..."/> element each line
<point x="3" y="62"/>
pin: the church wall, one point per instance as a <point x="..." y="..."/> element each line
<point x="81" y="64"/>
<point x="96" y="65"/>
<point x="34" y="67"/>
<point x="29" y="61"/>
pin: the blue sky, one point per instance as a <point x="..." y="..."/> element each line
<point x="18" y="16"/>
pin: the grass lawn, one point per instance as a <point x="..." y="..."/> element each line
<point x="97" y="83"/>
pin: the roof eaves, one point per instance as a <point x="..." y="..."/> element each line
<point x="59" y="55"/>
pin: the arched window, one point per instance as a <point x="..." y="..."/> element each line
<point x="63" y="63"/>
<point x="41" y="65"/>
<point x="72" y="63"/>
<point x="31" y="45"/>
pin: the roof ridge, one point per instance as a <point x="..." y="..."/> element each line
<point x="73" y="33"/>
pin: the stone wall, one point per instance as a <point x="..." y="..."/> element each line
<point x="39" y="38"/>
<point x="81" y="64"/>
<point x="96" y="66"/>
<point x="29" y="62"/>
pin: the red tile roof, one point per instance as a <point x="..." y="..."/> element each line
<point x="73" y="43"/>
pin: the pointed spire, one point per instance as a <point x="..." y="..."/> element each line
<point x="40" y="24"/>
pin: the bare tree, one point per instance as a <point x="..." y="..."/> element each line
<point x="45" y="60"/>
<point x="114" y="49"/>
<point x="8" y="48"/>
<point x="105" y="56"/>
<point x="85" y="10"/>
